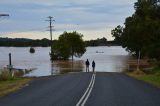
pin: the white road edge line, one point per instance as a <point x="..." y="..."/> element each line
<point x="87" y="90"/>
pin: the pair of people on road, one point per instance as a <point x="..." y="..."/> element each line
<point x="87" y="65"/>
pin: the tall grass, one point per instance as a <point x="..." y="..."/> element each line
<point x="7" y="75"/>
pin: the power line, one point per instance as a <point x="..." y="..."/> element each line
<point x="4" y="15"/>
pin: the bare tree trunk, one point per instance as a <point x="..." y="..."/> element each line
<point x="72" y="54"/>
<point x="72" y="59"/>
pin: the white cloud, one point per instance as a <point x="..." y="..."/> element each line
<point x="92" y="34"/>
<point x="66" y="2"/>
<point x="94" y="17"/>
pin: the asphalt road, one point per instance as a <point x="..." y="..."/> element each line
<point x="64" y="90"/>
<point x="116" y="89"/>
<point x="104" y="89"/>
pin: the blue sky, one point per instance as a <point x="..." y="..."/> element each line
<point x="93" y="18"/>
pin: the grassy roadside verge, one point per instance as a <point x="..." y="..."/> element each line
<point x="153" y="78"/>
<point x="9" y="86"/>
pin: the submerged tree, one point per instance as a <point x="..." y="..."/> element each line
<point x="68" y="44"/>
<point x="32" y="50"/>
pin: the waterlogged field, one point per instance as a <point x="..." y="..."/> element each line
<point x="107" y="59"/>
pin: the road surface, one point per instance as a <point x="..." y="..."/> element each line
<point x="78" y="89"/>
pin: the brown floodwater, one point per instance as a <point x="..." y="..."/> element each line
<point x="107" y="59"/>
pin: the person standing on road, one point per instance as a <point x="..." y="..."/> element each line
<point x="93" y="65"/>
<point x="87" y="66"/>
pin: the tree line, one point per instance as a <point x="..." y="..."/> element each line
<point x="101" y="42"/>
<point x="141" y="31"/>
<point x="23" y="42"/>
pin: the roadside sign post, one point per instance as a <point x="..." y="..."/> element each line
<point x="10" y="66"/>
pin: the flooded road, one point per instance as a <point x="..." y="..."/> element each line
<point x="107" y="59"/>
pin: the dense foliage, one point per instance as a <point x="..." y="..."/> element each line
<point x="68" y="44"/>
<point x="142" y="30"/>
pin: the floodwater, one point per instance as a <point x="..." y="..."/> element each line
<point x="107" y="59"/>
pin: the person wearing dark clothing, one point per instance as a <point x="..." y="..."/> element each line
<point x="93" y="65"/>
<point x="87" y="66"/>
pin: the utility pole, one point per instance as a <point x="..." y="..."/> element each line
<point x="50" y="29"/>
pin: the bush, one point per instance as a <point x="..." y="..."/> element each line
<point x="18" y="73"/>
<point x="5" y="75"/>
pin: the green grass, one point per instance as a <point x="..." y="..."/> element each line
<point x="12" y="85"/>
<point x="153" y="78"/>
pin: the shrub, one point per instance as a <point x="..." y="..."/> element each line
<point x="5" y="75"/>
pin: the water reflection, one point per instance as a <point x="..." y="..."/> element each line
<point x="107" y="59"/>
<point x="52" y="69"/>
<point x="67" y="66"/>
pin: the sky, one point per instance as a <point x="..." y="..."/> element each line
<point x="92" y="18"/>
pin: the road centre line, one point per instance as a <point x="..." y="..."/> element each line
<point x="85" y="96"/>
<point x="89" y="91"/>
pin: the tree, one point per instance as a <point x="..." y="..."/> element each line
<point x="117" y="33"/>
<point x="142" y="29"/>
<point x="68" y="44"/>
